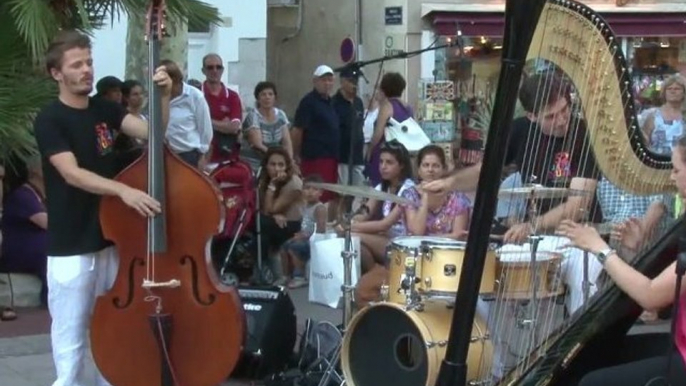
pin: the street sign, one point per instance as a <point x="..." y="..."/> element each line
<point x="347" y="50"/>
<point x="394" y="15"/>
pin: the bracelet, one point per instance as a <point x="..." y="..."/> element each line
<point x="271" y="187"/>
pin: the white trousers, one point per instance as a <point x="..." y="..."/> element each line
<point x="512" y="341"/>
<point x="74" y="283"/>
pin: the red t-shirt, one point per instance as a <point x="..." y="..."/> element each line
<point x="226" y="104"/>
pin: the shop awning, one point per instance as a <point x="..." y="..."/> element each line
<point x="640" y="20"/>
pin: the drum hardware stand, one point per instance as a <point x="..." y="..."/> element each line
<point x="586" y="282"/>
<point x="413" y="300"/>
<point x="534" y="239"/>
<point x="348" y="254"/>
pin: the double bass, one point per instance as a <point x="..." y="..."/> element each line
<point x="167" y="320"/>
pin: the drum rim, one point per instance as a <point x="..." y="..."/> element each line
<point x="478" y="324"/>
<point x="549" y="256"/>
<point x="395" y="240"/>
<point x="413" y="316"/>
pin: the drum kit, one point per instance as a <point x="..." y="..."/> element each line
<point x="401" y="339"/>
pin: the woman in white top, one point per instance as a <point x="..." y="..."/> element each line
<point x="664" y="125"/>
<point x="376" y="223"/>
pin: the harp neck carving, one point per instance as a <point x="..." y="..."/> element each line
<point x="579" y="42"/>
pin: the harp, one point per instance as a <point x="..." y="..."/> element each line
<point x="580" y="44"/>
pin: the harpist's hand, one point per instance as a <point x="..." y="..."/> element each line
<point x="517" y="234"/>
<point x="581" y="236"/>
<point x="140" y="201"/>
<point x="630" y="233"/>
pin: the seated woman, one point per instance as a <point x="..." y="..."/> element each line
<point x="280" y="192"/>
<point x="636" y="362"/>
<point x="444" y="214"/>
<point x="264" y="127"/>
<point x="24" y="223"/>
<point x="395" y="168"/>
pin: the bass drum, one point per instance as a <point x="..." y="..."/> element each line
<point x="388" y="345"/>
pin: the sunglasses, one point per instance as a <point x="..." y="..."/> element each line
<point x="217" y="67"/>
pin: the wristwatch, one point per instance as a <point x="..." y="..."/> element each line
<point x="604" y="254"/>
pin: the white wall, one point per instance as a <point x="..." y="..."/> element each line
<point x="241" y="19"/>
<point x="109" y="50"/>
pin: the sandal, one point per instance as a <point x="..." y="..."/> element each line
<point x="8" y="314"/>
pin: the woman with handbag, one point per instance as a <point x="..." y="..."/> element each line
<point x="392" y="87"/>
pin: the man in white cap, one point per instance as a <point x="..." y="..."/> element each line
<point x="316" y="131"/>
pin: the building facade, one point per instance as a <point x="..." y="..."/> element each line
<point x="240" y="39"/>
<point x="305" y="33"/>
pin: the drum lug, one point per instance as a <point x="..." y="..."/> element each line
<point x="440" y="343"/>
<point x="475" y="339"/>
<point x="385" y="289"/>
<point x="425" y="253"/>
<point x="427" y="282"/>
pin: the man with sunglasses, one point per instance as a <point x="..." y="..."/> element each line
<point x="226" y="109"/>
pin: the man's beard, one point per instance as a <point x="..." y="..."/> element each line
<point x="84" y="92"/>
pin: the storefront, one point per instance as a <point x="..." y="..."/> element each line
<point x="651" y="35"/>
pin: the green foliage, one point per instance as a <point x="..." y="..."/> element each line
<point x="26" y="27"/>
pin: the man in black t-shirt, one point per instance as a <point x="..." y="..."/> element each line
<point x="75" y="136"/>
<point x="552" y="149"/>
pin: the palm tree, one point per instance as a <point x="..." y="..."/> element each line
<point x="26" y="27"/>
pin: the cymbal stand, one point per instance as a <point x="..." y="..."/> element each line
<point x="534" y="239"/>
<point x="348" y="254"/>
<point x="586" y="282"/>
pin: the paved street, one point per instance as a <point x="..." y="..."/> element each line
<point x="25" y="358"/>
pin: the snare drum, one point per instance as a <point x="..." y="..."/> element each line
<point x="516" y="275"/>
<point x="436" y="263"/>
<point x="387" y="345"/>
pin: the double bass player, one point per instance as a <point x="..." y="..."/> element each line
<point x="75" y="134"/>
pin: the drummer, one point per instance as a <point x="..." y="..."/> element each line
<point x="551" y="150"/>
<point x="375" y="222"/>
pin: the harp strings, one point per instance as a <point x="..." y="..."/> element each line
<point x="523" y="326"/>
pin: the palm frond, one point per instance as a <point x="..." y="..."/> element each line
<point x="35" y="22"/>
<point x="23" y="91"/>
<point x="27" y="26"/>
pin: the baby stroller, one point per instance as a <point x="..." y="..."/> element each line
<point x="236" y="245"/>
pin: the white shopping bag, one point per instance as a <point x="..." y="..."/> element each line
<point x="326" y="268"/>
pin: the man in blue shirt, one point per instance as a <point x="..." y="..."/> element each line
<point x="316" y="131"/>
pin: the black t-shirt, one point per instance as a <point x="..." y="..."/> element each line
<point x="317" y="118"/>
<point x="345" y="115"/>
<point x="553" y="161"/>
<point x="73" y="214"/>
